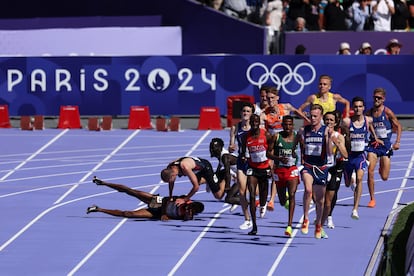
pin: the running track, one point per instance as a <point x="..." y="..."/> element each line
<point x="45" y="180"/>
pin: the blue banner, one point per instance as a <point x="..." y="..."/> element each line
<point x="181" y="85"/>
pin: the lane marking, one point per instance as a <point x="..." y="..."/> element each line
<point x="197" y="240"/>
<point x="34" y="154"/>
<point x="404" y="182"/>
<point x="100" y="164"/>
<point x="113" y="231"/>
<point x="399" y="191"/>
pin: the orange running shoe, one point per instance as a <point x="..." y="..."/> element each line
<point x="372" y="203"/>
<point x="305" y="226"/>
<point x="270" y="206"/>
<point x="318" y="231"/>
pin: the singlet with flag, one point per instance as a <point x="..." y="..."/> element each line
<point x="358" y="136"/>
<point x="382" y="126"/>
<point x="315" y="146"/>
<point x="273" y="121"/>
<point x="283" y="148"/>
<point x="257" y="148"/>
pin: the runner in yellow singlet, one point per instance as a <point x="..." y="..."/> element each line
<point x="326" y="98"/>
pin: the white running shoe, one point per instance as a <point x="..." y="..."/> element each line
<point x="353" y="178"/>
<point x="353" y="187"/>
<point x="331" y="225"/>
<point x="233" y="207"/>
<point x="247" y="224"/>
<point x="354" y="214"/>
<point x="263" y="210"/>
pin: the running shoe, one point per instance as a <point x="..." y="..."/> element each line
<point x="287" y="201"/>
<point x="353" y="178"/>
<point x="233" y="207"/>
<point x="97" y="181"/>
<point x="331" y="225"/>
<point x="270" y="206"/>
<point x="318" y="231"/>
<point x="247" y="224"/>
<point x="372" y="203"/>
<point x="353" y="186"/>
<point x="92" y="209"/>
<point x="257" y="203"/>
<point x="323" y="234"/>
<point x="253" y="232"/>
<point x="263" y="210"/>
<point x="288" y="231"/>
<point x="354" y="214"/>
<point x="305" y="226"/>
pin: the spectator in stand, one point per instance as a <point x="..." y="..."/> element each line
<point x="393" y="47"/>
<point x="344" y="49"/>
<point x="382" y="12"/>
<point x="321" y="20"/>
<point x="312" y="16"/>
<point x="410" y="5"/>
<point x="360" y="14"/>
<point x="273" y="21"/>
<point x="297" y="8"/>
<point x="399" y="20"/>
<point x="300" y="49"/>
<point x="215" y="4"/>
<point x="257" y="10"/>
<point x="300" y="25"/>
<point x="365" y="49"/>
<point x="334" y="16"/>
<point x="236" y="8"/>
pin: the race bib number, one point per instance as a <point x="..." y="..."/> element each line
<point x="381" y="132"/>
<point x="158" y="199"/>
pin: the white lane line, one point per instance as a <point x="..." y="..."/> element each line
<point x="106" y="238"/>
<point x="404" y="182"/>
<point x="197" y="240"/>
<point x="399" y="191"/>
<point x="88" y="174"/>
<point x="34" y="155"/>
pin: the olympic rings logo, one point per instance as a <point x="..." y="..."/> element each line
<point x="285" y="80"/>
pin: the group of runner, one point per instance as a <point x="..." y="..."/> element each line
<point x="263" y="146"/>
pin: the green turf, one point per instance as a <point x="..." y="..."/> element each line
<point x="398" y="240"/>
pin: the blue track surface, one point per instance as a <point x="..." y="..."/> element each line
<point x="45" y="180"/>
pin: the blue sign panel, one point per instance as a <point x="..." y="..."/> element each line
<point x="181" y="85"/>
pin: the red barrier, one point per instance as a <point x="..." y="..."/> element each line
<point x="234" y="104"/>
<point x="38" y="122"/>
<point x="69" y="117"/>
<point x="106" y="123"/>
<point x="4" y="117"/>
<point x="209" y="119"/>
<point x="93" y="124"/>
<point x="139" y="117"/>
<point x="161" y="124"/>
<point x="174" y="124"/>
<point x="26" y="123"/>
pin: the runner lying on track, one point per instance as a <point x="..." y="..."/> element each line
<point x="158" y="207"/>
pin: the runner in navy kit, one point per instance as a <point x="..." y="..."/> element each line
<point x="158" y="207"/>
<point x="315" y="149"/>
<point x="359" y="126"/>
<point x="237" y="132"/>
<point x="384" y="120"/>
<point x="198" y="171"/>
